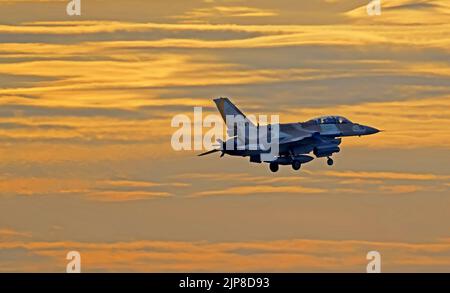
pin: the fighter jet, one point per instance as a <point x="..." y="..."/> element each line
<point x="296" y="141"/>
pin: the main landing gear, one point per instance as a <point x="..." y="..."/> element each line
<point x="274" y="167"/>
<point x="296" y="161"/>
<point x="296" y="165"/>
<point x="330" y="161"/>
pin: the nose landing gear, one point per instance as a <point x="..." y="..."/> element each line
<point x="330" y="161"/>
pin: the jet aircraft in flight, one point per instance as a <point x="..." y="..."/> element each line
<point x="296" y="141"/>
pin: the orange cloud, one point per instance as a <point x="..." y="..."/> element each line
<point x="401" y="188"/>
<point x="32" y="186"/>
<point x="261" y="189"/>
<point x="91" y="189"/>
<point x="215" y="12"/>
<point x="254" y="256"/>
<point x="319" y="182"/>
<point x="386" y="175"/>
<point x="10" y="234"/>
<point x="405" y="12"/>
<point x="120" y="196"/>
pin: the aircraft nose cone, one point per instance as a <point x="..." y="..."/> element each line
<point x="371" y="130"/>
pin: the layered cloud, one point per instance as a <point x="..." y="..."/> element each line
<point x="257" y="256"/>
<point x="98" y="190"/>
<point x="415" y="12"/>
<point x="322" y="182"/>
<point x="85" y="157"/>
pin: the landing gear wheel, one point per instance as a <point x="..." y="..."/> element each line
<point x="296" y="165"/>
<point x="330" y="162"/>
<point x="274" y="167"/>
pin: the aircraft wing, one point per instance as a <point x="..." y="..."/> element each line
<point x="291" y="133"/>
<point x="293" y="139"/>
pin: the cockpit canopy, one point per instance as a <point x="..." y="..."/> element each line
<point x="330" y="120"/>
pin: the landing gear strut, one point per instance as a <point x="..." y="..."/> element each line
<point x="296" y="165"/>
<point x="330" y="161"/>
<point x="274" y="167"/>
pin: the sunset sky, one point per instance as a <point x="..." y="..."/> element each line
<point x="86" y="104"/>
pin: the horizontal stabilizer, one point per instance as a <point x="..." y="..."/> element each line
<point x="209" y="152"/>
